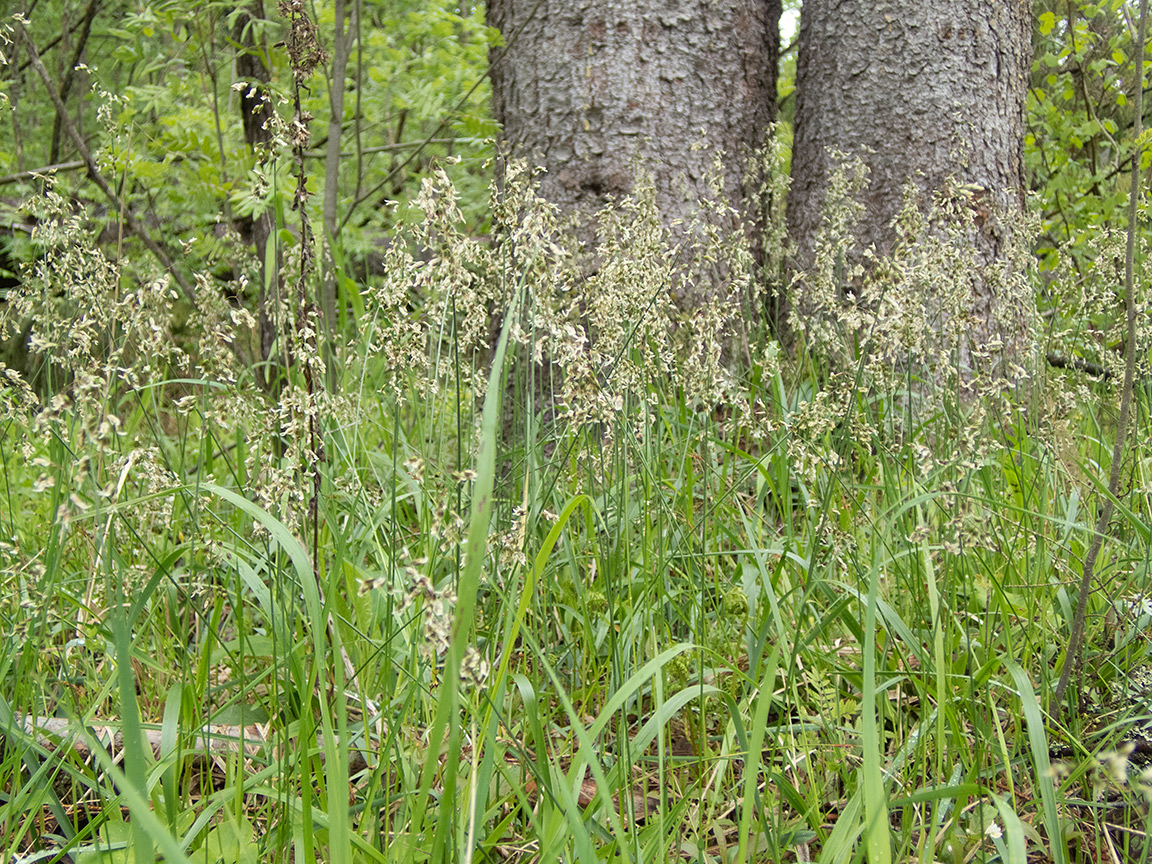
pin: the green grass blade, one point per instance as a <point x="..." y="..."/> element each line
<point x="1017" y="846"/>
<point x="1038" y="742"/>
<point x="529" y="591"/>
<point x="476" y="550"/>
<point x="135" y="761"/>
<point x="137" y="802"/>
<point x="876" y="829"/>
<point x="755" y="749"/>
<point x="839" y="846"/>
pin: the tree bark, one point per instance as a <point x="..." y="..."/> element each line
<point x="256" y="110"/>
<point x="929" y="91"/>
<point x="591" y="90"/>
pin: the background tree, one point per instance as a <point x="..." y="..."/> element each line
<point x="1077" y="147"/>
<point x="928" y="92"/>
<point x="256" y="109"/>
<point x="592" y="90"/>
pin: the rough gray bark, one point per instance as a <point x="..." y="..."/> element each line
<point x="592" y="89"/>
<point x="928" y="91"/>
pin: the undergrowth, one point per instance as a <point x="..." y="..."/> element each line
<point x="596" y="577"/>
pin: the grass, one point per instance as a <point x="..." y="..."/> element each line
<point x="816" y="619"/>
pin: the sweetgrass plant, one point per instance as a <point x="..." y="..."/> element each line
<point x="593" y="575"/>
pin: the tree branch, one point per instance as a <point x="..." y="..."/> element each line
<point x="1078" y="365"/>
<point x="36" y="172"/>
<point x="70" y="73"/>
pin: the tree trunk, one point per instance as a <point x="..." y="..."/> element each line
<point x="929" y="91"/>
<point x="591" y="90"/>
<point x="256" y="110"/>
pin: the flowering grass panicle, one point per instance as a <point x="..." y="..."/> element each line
<point x="933" y="329"/>
<point x="395" y="338"/>
<point x="716" y="498"/>
<point x="87" y="334"/>
<point x="767" y="180"/>
<point x="453" y="280"/>
<point x="825" y="310"/>
<point x="218" y="335"/>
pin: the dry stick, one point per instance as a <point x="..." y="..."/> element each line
<point x="394" y="148"/>
<point x="1078" y="365"/>
<point x="134" y="224"/>
<point x="1073" y="658"/>
<point x="33" y="173"/>
<point x="59" y="733"/>
<point x="304" y="55"/>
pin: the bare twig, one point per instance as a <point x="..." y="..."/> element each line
<point x="134" y="224"/>
<point x="1072" y="658"/>
<point x="395" y="148"/>
<point x="304" y="55"/>
<point x="32" y="173"/>
<point x="1078" y="365"/>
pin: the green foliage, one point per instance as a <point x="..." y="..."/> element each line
<point x="165" y="109"/>
<point x="613" y="595"/>
<point x="1077" y="115"/>
<point x="688" y="570"/>
<point x="1077" y="149"/>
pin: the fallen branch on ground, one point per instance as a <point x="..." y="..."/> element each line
<point x="56" y="733"/>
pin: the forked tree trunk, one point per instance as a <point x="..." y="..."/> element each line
<point x="592" y="89"/>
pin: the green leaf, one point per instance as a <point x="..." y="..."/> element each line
<point x="476" y="552"/>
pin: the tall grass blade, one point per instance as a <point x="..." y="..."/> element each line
<point x="755" y="748"/>
<point x="1038" y="742"/>
<point x="876" y="829"/>
<point x="476" y="550"/>
<point x="1016" y="848"/>
<point x="137" y="802"/>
